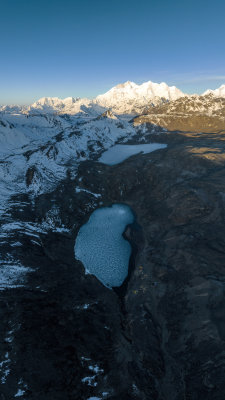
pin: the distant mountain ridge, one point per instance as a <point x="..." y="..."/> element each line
<point x="125" y="98"/>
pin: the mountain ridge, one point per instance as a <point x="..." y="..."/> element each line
<point x="124" y="98"/>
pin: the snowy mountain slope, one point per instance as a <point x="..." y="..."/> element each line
<point x="13" y="109"/>
<point x="36" y="152"/>
<point x="125" y="98"/>
<point x="70" y="105"/>
<point x="18" y="130"/>
<point x="220" y="92"/>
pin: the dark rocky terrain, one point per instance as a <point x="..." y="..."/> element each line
<point x="162" y="335"/>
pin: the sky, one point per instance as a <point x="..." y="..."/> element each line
<point x="85" y="47"/>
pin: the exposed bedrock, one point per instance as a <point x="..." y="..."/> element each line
<point x="164" y="337"/>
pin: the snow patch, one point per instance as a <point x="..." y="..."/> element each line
<point x="4" y="368"/>
<point x="20" y="393"/>
<point x="79" y="190"/>
<point x="12" y="273"/>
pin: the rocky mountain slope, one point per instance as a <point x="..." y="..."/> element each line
<point x="189" y="113"/>
<point x="160" y="336"/>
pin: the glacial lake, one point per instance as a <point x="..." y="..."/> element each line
<point x="101" y="247"/>
<point x="120" y="152"/>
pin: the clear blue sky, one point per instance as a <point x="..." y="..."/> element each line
<point x="84" y="47"/>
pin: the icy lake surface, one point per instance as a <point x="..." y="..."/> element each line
<point x="120" y="152"/>
<point x="101" y="247"/>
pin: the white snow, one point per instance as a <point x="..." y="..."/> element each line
<point x="70" y="105"/>
<point x="85" y="358"/>
<point x="120" y="152"/>
<point x="26" y="228"/>
<point x="16" y="244"/>
<point x="52" y="221"/>
<point x="83" y="307"/>
<point x="220" y="92"/>
<point x="94" y="398"/>
<point x="20" y="393"/>
<point x="9" y="337"/>
<point x="89" y="380"/>
<point x="4" y="368"/>
<point x="12" y="274"/>
<point x="95" y="368"/>
<point x="124" y="98"/>
<point x="78" y="190"/>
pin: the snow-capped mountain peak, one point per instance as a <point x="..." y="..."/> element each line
<point x="126" y="97"/>
<point x="220" y="92"/>
<point x="149" y="90"/>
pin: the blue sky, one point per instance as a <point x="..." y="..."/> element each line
<point x="83" y="48"/>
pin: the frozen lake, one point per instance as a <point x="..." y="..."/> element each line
<point x="101" y="247"/>
<point x="120" y="152"/>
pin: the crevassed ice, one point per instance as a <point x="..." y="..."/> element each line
<point x="120" y="152"/>
<point x="101" y="247"/>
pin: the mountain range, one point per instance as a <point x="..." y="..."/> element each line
<point x="40" y="139"/>
<point x="126" y="98"/>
